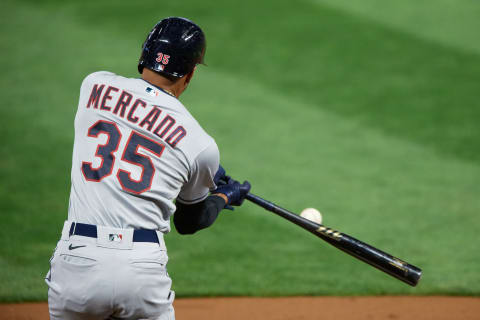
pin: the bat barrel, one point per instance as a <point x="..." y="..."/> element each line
<point x="356" y="248"/>
<point x="383" y="261"/>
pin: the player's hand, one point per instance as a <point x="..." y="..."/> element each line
<point x="234" y="191"/>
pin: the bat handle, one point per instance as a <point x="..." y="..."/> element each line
<point x="260" y="201"/>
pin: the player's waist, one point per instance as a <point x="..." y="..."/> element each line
<point x="112" y="236"/>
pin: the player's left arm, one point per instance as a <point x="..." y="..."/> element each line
<point x="188" y="219"/>
<point x="196" y="209"/>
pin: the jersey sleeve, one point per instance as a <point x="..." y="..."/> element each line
<point x="202" y="173"/>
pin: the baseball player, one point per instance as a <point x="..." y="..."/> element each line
<point x="137" y="150"/>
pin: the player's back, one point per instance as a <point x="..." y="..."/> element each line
<point x="135" y="149"/>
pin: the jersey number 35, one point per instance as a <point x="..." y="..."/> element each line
<point x="106" y="153"/>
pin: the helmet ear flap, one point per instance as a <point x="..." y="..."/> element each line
<point x="174" y="47"/>
<point x="202" y="57"/>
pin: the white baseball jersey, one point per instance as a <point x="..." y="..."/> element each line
<point x="136" y="149"/>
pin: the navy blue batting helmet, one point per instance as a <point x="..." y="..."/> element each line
<point x="174" y="47"/>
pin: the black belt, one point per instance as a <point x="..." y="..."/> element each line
<point x="90" y="230"/>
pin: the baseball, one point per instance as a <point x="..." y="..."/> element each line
<point x="312" y="214"/>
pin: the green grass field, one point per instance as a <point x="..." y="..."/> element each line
<point x="366" y="110"/>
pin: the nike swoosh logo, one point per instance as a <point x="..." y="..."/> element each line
<point x="71" y="247"/>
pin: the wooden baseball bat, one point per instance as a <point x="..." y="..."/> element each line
<point x="356" y="248"/>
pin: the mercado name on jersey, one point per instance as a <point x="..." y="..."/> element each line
<point x="163" y="127"/>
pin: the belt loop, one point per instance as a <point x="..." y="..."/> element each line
<point x="66" y="230"/>
<point x="72" y="229"/>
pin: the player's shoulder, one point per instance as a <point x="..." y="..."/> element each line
<point x="197" y="140"/>
<point x="95" y="76"/>
<point x="210" y="150"/>
<point x="177" y="109"/>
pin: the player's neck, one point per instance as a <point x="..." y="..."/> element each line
<point x="173" y="88"/>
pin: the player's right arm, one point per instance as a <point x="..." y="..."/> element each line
<point x="196" y="209"/>
<point x="189" y="219"/>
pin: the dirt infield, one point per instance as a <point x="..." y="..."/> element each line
<point x="298" y="308"/>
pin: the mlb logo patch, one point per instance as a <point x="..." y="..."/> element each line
<point x="152" y="92"/>
<point x="115" y="237"/>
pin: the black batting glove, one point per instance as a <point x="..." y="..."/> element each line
<point x="234" y="191"/>
<point x="220" y="176"/>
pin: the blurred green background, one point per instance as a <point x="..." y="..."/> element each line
<point x="367" y="110"/>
